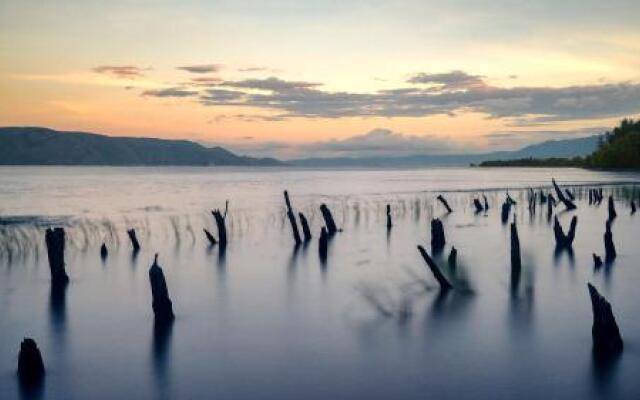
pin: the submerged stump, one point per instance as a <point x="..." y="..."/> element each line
<point x="561" y="197"/>
<point x="161" y="303"/>
<point x="478" y="206"/>
<point x="103" y="251"/>
<point x="435" y="270"/>
<point x="30" y="364"/>
<point x="437" y="236"/>
<point x="609" y="248"/>
<point x="562" y="240"/>
<point x="55" y="240"/>
<point x="212" y="240"/>
<point x="452" y="260"/>
<point x="612" y="209"/>
<point x="305" y="227"/>
<point x="323" y="245"/>
<point x="442" y="200"/>
<point x="607" y="341"/>
<point x="597" y="261"/>
<point x="328" y="220"/>
<point x="134" y="240"/>
<point x="222" y="226"/>
<point x="516" y="260"/>
<point x="292" y="219"/>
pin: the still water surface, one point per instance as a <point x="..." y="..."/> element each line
<point x="267" y="321"/>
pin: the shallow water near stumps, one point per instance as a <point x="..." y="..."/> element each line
<point x="269" y="321"/>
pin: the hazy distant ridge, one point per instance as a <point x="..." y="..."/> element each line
<point x="43" y="146"/>
<point x="567" y="148"/>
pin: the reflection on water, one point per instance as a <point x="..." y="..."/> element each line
<point x="263" y="318"/>
<point x="161" y="357"/>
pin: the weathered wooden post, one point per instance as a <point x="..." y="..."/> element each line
<point x="612" y="209"/>
<point x="328" y="220"/>
<point x="55" y="240"/>
<point x="444" y="203"/>
<point x="305" y="227"/>
<point x="504" y="213"/>
<point x="221" y="225"/>
<point x="597" y="261"/>
<point x="516" y="261"/>
<point x="633" y="207"/>
<point x="212" y="240"/>
<point x="323" y="245"/>
<point x="452" y="260"/>
<point x="161" y="304"/>
<point x="550" y="204"/>
<point x="607" y="341"/>
<point x="477" y="205"/>
<point x="389" y="224"/>
<point x="609" y="248"/>
<point x="486" y="203"/>
<point x="103" y="251"/>
<point x="134" y="240"/>
<point x="435" y="270"/>
<point x="437" y="236"/>
<point x="292" y="219"/>
<point x="561" y="197"/>
<point x="30" y="364"/>
<point x="562" y="240"/>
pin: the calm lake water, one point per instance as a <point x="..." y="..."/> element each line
<point x="267" y="321"/>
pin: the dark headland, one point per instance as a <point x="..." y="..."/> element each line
<point x="43" y="146"/>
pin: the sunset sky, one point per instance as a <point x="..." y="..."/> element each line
<point x="322" y="78"/>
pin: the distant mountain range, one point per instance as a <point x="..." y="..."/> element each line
<point x="567" y="148"/>
<point x="43" y="146"/>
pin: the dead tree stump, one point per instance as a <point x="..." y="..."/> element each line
<point x="612" y="209"/>
<point x="212" y="240"/>
<point x="323" y="244"/>
<point x="292" y="219"/>
<point x="305" y="227"/>
<point x="55" y="240"/>
<point x="328" y="220"/>
<point x="161" y="303"/>
<point x="437" y="236"/>
<point x="609" y="248"/>
<point x="222" y="226"/>
<point x="477" y="205"/>
<point x="452" y="260"/>
<point x="103" y="251"/>
<point x="134" y="240"/>
<point x="562" y="240"/>
<point x="435" y="270"/>
<point x="442" y="200"/>
<point x="597" y="261"/>
<point x="561" y="197"/>
<point x="389" y="224"/>
<point x="30" y="365"/>
<point x="516" y="261"/>
<point x="607" y="341"/>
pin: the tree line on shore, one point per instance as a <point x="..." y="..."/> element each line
<point x="617" y="149"/>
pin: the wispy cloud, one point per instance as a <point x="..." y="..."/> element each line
<point x="120" y="71"/>
<point x="271" y="84"/>
<point x="201" y="68"/>
<point x="170" y="92"/>
<point x="449" y="81"/>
